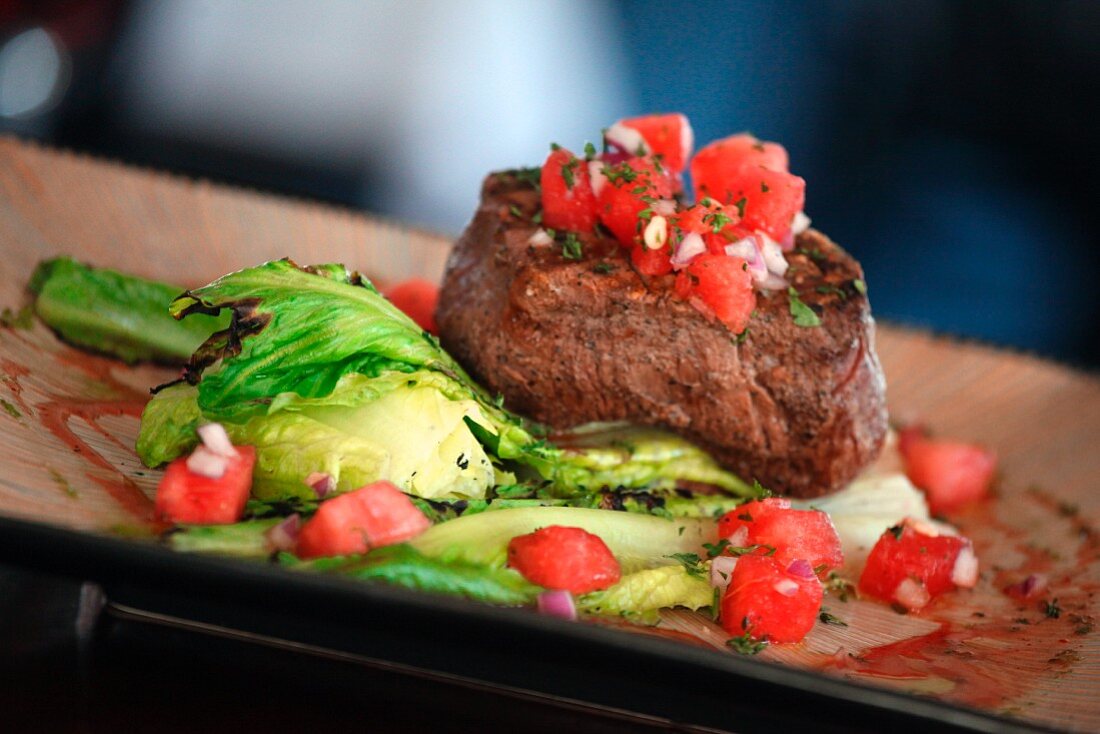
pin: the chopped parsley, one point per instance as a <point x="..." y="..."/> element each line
<point x="537" y="219"/>
<point x="10" y="409"/>
<point x="714" y="550"/>
<point x="620" y="174"/>
<point x="589" y="151"/>
<point x="21" y="319"/>
<point x="827" y="289"/>
<point x="860" y="286"/>
<point x="571" y="247"/>
<point x="803" y="314"/>
<point x="717" y="221"/>
<point x="741" y="337"/>
<point x="1051" y="609"/>
<point x="691" y="563"/>
<point x="603" y="268"/>
<point x="830" y="619"/>
<point x="840" y="586"/>
<point x="759" y="489"/>
<point x="530" y="176"/>
<point x="515" y="211"/>
<point x="746" y="645"/>
<point x="567" y="172"/>
<point x="740" y="204"/>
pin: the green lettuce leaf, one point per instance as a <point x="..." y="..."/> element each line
<point x="115" y="313"/>
<point x="649" y="590"/>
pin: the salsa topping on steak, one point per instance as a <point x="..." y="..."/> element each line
<point x="588" y="290"/>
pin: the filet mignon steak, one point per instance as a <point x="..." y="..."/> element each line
<point x="570" y="341"/>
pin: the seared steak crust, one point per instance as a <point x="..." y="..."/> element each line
<point x="801" y="409"/>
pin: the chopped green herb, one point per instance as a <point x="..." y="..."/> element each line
<point x="603" y="268"/>
<point x="537" y="219"/>
<point x="620" y="174"/>
<point x="63" y="483"/>
<point x="10" y="409"/>
<point x="717" y="221"/>
<point x="840" y="586"/>
<point x="555" y="147"/>
<point x="1051" y="608"/>
<point x="746" y="645"/>
<point x="589" y="151"/>
<point x="645" y="214"/>
<point x="571" y="247"/>
<point x="691" y="563"/>
<point x="827" y="289"/>
<point x="830" y="619"/>
<point x="764" y="187"/>
<point x="740" y="204"/>
<point x="714" y="550"/>
<point x="21" y="319"/>
<point x="530" y="176"/>
<point x="740" y="338"/>
<point x="567" y="172"/>
<point x="803" y="314"/>
<point x="759" y="489"/>
<point x="896" y="531"/>
<point x="860" y="286"/>
<point x="515" y="211"/>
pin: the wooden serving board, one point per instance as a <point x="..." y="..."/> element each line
<point x="68" y="423"/>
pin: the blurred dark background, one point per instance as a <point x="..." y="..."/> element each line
<point x="950" y="146"/>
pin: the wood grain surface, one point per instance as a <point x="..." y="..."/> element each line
<point x="1042" y="418"/>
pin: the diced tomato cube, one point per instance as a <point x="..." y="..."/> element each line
<point x="793" y="534"/>
<point x="911" y="567"/>
<point x="715" y="161"/>
<point x="417" y="298"/>
<point x="721" y="285"/>
<point x="752" y="175"/>
<point x="668" y="136"/>
<point x="564" y="558"/>
<point x="651" y="262"/>
<point x="768" y="602"/>
<point x="631" y="188"/>
<point x="568" y="202"/>
<point x="952" y="474"/>
<point x="806" y="534"/>
<point x="186" y="497"/>
<point x="376" y="515"/>
<point x="715" y="222"/>
<point x="730" y="524"/>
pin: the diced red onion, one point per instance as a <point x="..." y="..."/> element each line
<point x="595" y="174"/>
<point x="748" y="249"/>
<point x="1030" y="587"/>
<point x="923" y="527"/>
<point x="965" y="571"/>
<point x="664" y="207"/>
<point x="787" y="243"/>
<point x="557" y="604"/>
<point x="655" y="235"/>
<point x="215" y="439"/>
<point x="912" y="595"/>
<point x="626" y="139"/>
<point x="786" y="587"/>
<point x="322" y="483"/>
<point x="540" y="238"/>
<point x="689" y="248"/>
<point x="687" y="138"/>
<point x="801" y="568"/>
<point x="773" y="256"/>
<point x="800" y="224"/>
<point x="206" y="463"/>
<point x="284" y="536"/>
<point x="739" y="538"/>
<point x="721" y="568"/>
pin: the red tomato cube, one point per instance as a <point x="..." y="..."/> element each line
<point x="417" y="298"/>
<point x="794" y="534"/>
<point x="768" y="602"/>
<point x="651" y="262"/>
<point x="719" y="286"/>
<point x="752" y="175"/>
<point x="186" y="497"/>
<point x="630" y="190"/>
<point x="951" y="474"/>
<point x="668" y="136"/>
<point x="568" y="202"/>
<point x="376" y="515"/>
<point x="730" y="524"/>
<point x="911" y="567"/>
<point x="564" y="558"/>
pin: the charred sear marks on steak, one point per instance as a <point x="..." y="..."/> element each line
<point x="569" y="341"/>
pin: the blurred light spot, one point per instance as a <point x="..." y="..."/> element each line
<point x="34" y="73"/>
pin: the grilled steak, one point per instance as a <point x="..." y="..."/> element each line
<point x="569" y="341"/>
